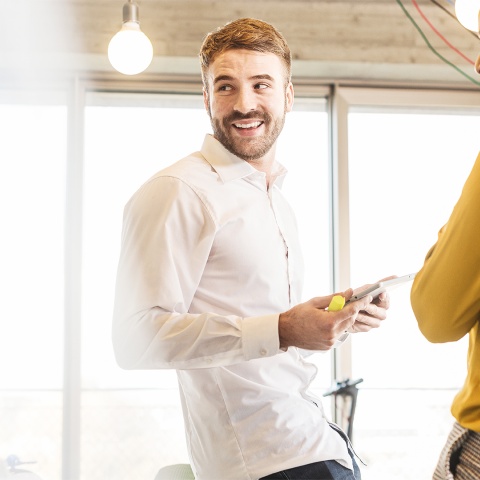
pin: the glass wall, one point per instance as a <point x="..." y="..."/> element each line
<point x="402" y="159"/>
<point x="131" y="420"/>
<point x="126" y="141"/>
<point x="406" y="171"/>
<point x="32" y="205"/>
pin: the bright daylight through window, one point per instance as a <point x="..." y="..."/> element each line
<point x="406" y="169"/>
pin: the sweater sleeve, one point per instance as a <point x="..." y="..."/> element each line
<point x="445" y="294"/>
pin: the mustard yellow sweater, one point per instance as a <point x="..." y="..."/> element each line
<point x="445" y="294"/>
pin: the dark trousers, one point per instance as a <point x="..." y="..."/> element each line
<point x="328" y="470"/>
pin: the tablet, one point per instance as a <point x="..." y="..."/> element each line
<point x="377" y="288"/>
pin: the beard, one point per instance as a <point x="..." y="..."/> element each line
<point x="249" y="148"/>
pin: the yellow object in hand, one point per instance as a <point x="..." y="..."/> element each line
<point x="336" y="304"/>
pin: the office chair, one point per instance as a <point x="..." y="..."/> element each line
<point x="348" y="390"/>
<point x="180" y="471"/>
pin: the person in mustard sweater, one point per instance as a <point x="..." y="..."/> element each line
<point x="445" y="298"/>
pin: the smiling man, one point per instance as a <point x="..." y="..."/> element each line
<point x="247" y="108"/>
<point x="210" y="277"/>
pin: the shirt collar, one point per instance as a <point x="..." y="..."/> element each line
<point x="230" y="167"/>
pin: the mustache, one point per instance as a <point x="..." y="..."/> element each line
<point x="235" y="116"/>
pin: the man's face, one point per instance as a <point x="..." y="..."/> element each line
<point x="247" y="99"/>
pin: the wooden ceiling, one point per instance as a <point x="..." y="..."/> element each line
<point x="329" y="38"/>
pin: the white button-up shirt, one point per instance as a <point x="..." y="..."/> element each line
<point x="210" y="258"/>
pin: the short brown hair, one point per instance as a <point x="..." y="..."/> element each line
<point x="248" y="34"/>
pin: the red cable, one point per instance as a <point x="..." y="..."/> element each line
<point x="440" y="35"/>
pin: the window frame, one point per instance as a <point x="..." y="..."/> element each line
<point x="340" y="97"/>
<point x="368" y="99"/>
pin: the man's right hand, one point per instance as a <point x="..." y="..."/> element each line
<point x="310" y="326"/>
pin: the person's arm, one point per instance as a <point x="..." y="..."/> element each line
<point x="166" y="241"/>
<point x="445" y="294"/>
<point x="167" y="237"/>
<point x="310" y="326"/>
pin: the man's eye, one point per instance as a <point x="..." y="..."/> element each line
<point x="224" y="88"/>
<point x="259" y="86"/>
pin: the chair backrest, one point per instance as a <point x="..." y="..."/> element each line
<point x="181" y="471"/>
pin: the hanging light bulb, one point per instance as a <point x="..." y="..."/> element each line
<point x="130" y="51"/>
<point x="468" y="14"/>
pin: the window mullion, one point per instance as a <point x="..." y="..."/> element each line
<point x="73" y="276"/>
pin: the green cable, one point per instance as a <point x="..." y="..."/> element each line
<point x="433" y="49"/>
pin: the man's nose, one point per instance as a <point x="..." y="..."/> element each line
<point x="245" y="101"/>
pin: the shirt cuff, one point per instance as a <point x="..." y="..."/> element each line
<point x="260" y="336"/>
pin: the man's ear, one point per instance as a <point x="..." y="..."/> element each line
<point x="289" y="97"/>
<point x="206" y="100"/>
<point x="477" y="64"/>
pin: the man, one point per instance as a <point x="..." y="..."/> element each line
<point x="210" y="278"/>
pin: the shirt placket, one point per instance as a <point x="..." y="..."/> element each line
<point x="281" y="228"/>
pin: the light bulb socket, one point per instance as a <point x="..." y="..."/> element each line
<point x="130" y="12"/>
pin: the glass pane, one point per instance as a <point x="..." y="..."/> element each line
<point x="303" y="147"/>
<point x="130" y="433"/>
<point x="406" y="172"/>
<point x="124" y="145"/>
<point x="32" y="188"/>
<point x="140" y="429"/>
<point x="399" y="433"/>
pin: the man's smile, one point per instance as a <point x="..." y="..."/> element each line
<point x="248" y="125"/>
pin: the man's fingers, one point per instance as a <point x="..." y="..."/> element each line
<point x="372" y="322"/>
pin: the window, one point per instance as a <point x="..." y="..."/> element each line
<point x="132" y="420"/>
<point x="407" y="167"/>
<point x="32" y="199"/>
<point x="409" y="152"/>
<point x="304" y="149"/>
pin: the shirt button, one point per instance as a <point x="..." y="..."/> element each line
<point x="263" y="352"/>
